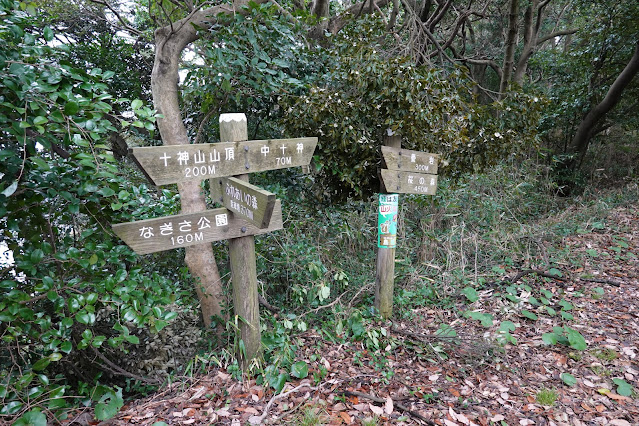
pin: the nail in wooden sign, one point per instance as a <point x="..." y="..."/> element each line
<point x="166" y="233"/>
<point x="180" y="163"/>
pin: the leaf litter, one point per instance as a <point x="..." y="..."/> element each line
<point x="473" y="378"/>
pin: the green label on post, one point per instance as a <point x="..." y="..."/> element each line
<point x="387" y="221"/>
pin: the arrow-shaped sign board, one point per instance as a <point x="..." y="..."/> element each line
<point x="245" y="200"/>
<point x="408" y="182"/>
<point x="169" y="232"/>
<point x="409" y="161"/>
<point x="180" y="163"/>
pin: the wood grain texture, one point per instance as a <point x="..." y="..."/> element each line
<point x="409" y="161"/>
<point x="385" y="264"/>
<point x="247" y="201"/>
<point x="409" y="182"/>
<point x="137" y="235"/>
<point x="185" y="163"/>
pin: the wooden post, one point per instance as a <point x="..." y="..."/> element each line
<point x="385" y="272"/>
<point x="242" y="257"/>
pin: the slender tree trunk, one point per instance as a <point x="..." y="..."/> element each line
<point x="511" y="43"/>
<point x="170" y="41"/>
<point x="586" y="128"/>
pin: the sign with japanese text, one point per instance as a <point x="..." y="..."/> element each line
<point x="180" y="163"/>
<point x="409" y="183"/>
<point x="409" y="161"/>
<point x="387" y="220"/>
<point x="248" y="201"/>
<point x="169" y="232"/>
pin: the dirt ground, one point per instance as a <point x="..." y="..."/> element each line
<point x="479" y="377"/>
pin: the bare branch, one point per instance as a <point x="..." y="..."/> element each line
<point x="123" y="21"/>
<point x="544" y="39"/>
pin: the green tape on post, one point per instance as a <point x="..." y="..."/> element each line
<point x="387" y="220"/>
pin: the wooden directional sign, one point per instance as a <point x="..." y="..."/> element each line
<point x="409" y="183"/>
<point x="166" y="233"/>
<point x="246" y="201"/>
<point x="410" y="161"/>
<point x="180" y="163"/>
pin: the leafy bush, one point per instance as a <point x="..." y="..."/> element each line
<point x="73" y="295"/>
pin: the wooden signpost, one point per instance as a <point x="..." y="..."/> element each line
<point x="247" y="201"/>
<point x="182" y="230"/>
<point x="181" y="163"/>
<point x="407" y="172"/>
<point x="248" y="210"/>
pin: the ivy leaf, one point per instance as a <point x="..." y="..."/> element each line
<point x="299" y="370"/>
<point x="549" y="338"/>
<point x="471" y="294"/>
<point x="623" y="388"/>
<point x="568" y="379"/>
<point x="575" y="339"/>
<point x="32" y="418"/>
<point x="109" y="405"/>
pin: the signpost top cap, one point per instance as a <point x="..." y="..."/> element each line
<point x="235" y="116"/>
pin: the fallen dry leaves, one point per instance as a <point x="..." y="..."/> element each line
<point x="478" y="383"/>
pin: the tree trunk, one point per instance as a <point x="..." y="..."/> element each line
<point x="511" y="43"/>
<point x="170" y="41"/>
<point x="585" y="131"/>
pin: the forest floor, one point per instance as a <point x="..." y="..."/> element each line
<point x="502" y="372"/>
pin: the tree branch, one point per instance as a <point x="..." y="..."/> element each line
<point x="550" y="36"/>
<point x="123" y="21"/>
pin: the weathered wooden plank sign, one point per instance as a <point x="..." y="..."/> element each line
<point x="409" y="182"/>
<point x="246" y="201"/>
<point x="180" y="163"/>
<point x="170" y="232"/>
<point x="407" y="172"/>
<point x="410" y="161"/>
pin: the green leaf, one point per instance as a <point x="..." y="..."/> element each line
<point x="529" y="315"/>
<point x="507" y="326"/>
<point x="471" y="294"/>
<point x="623" y="388"/>
<point x="575" y="339"/>
<point x="555" y="272"/>
<point x="132" y="339"/>
<point x="8" y="191"/>
<point x="485" y="319"/>
<point x="279" y="382"/>
<point x="41" y="364"/>
<point x="568" y="379"/>
<point x="136" y="104"/>
<point x="32" y="418"/>
<point x="549" y="338"/>
<point x="71" y="108"/>
<point x="47" y="33"/>
<point x="109" y="405"/>
<point x="66" y="347"/>
<point x="299" y="370"/>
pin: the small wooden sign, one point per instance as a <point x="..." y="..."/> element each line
<point x="166" y="233"/>
<point x="245" y="200"/>
<point x="409" y="161"/>
<point x="408" y="182"/>
<point x="180" y="163"/>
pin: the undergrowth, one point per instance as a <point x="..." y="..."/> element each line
<point x="320" y="270"/>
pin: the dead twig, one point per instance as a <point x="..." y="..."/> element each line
<point x="259" y="419"/>
<point x="396" y="403"/>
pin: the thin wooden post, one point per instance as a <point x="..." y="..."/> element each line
<point x="242" y="258"/>
<point x="385" y="271"/>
